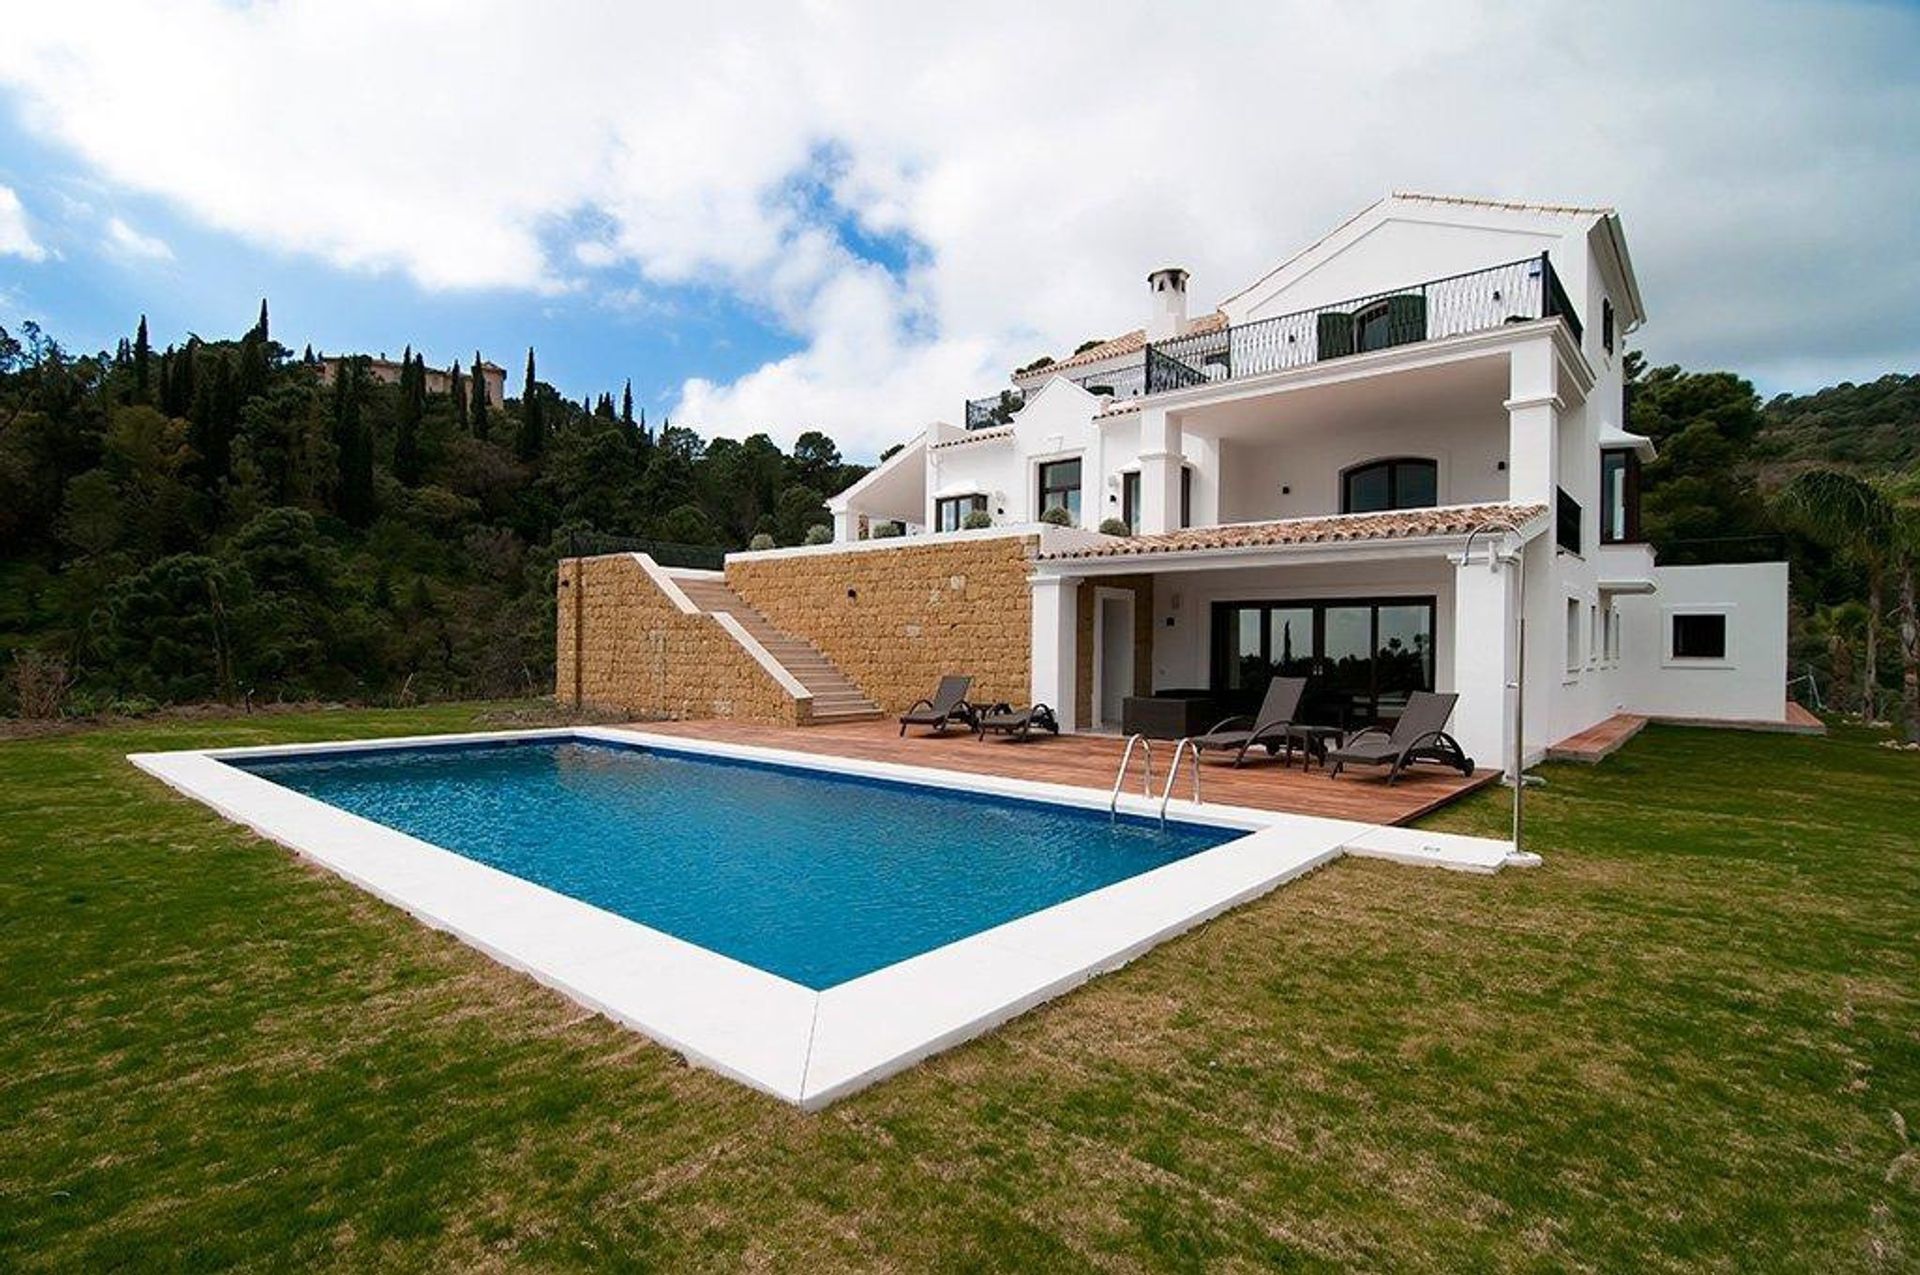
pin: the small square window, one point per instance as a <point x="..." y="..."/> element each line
<point x="1700" y="637"/>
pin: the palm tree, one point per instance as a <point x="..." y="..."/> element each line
<point x="1856" y="520"/>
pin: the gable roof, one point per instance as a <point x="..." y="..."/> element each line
<point x="1408" y="196"/>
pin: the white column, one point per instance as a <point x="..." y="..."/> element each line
<point x="1056" y="623"/>
<point x="1533" y="426"/>
<point x="1160" y="459"/>
<point x="1482" y="642"/>
<point x="846" y="526"/>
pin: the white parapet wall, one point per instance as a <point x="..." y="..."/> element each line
<point x="1747" y="682"/>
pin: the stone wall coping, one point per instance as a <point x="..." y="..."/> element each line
<point x="1052" y="540"/>
<point x="665" y="583"/>
<point x="774" y="669"/>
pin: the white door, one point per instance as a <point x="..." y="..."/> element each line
<point x="1113" y="658"/>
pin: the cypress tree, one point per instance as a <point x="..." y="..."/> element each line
<point x="260" y="328"/>
<point x="406" y="434"/>
<point x="626" y="404"/>
<point x="532" y="438"/>
<point x="604" y="408"/>
<point x="142" y="357"/>
<point x="215" y="414"/>
<point x="478" y="411"/>
<point x="353" y="447"/>
<point x="457" y="391"/>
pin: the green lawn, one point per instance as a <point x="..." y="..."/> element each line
<point x="1692" y="1039"/>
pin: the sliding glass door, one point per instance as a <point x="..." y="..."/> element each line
<point x="1365" y="655"/>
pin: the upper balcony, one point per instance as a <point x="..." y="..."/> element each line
<point x="1516" y="292"/>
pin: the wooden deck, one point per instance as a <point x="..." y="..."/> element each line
<point x="1598" y="742"/>
<point x="1089" y="761"/>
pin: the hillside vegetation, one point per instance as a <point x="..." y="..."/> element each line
<point x="226" y="519"/>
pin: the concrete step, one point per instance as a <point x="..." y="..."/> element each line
<point x="835" y="697"/>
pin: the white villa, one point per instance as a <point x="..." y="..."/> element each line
<point x="1300" y="469"/>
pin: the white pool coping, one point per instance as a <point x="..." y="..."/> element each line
<point x="803" y="1046"/>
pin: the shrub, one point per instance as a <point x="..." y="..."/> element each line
<point x="39" y="683"/>
<point x="978" y="520"/>
<point x="819" y="534"/>
<point x="761" y="541"/>
<point x="1115" y="527"/>
<point x="887" y="530"/>
<point x="1057" y="516"/>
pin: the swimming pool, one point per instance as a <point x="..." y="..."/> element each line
<point x="817" y="878"/>
<point x="805" y="924"/>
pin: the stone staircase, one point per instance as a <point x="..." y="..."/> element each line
<point x="835" y="697"/>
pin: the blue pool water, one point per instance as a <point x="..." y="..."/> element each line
<point x="815" y="877"/>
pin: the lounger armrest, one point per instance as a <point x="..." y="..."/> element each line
<point x="1225" y="722"/>
<point x="917" y="705"/>
<point x="1362" y="733"/>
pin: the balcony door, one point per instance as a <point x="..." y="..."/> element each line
<point x="1365" y="656"/>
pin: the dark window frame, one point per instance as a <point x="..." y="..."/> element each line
<point x="1222" y="619"/>
<point x="1393" y="465"/>
<point x="1130" y="500"/>
<point x="1628" y="462"/>
<point x="1076" y="488"/>
<point x="975" y="503"/>
<point x="1186" y="496"/>
<point x="1707" y="626"/>
<point x="1606" y="324"/>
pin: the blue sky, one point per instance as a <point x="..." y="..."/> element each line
<point x="88" y="295"/>
<point x="853" y="216"/>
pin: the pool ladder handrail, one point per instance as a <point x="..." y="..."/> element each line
<point x="1192" y="750"/>
<point x="1126" y="759"/>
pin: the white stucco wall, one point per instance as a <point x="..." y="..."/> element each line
<point x="1308" y="463"/>
<point x="1750" y="684"/>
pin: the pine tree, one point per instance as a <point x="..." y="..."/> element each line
<point x="142" y="357"/>
<point x="478" y="412"/>
<point x="457" y="392"/>
<point x="532" y="438"/>
<point x="406" y="433"/>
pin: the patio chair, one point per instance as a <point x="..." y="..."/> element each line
<point x="1271" y="727"/>
<point x="1419" y="735"/>
<point x="947" y="706"/>
<point x="1018" y="723"/>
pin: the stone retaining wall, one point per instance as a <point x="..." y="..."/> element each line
<point x="896" y="619"/>
<point x="639" y="653"/>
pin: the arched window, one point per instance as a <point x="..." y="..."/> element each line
<point x="1401" y="482"/>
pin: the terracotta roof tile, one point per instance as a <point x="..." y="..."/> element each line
<point x="1127" y="343"/>
<point x="1400" y="524"/>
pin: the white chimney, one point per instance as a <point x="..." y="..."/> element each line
<point x="1168" y="318"/>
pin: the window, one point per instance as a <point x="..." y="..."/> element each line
<point x="1613" y="634"/>
<point x="1400" y="483"/>
<point x="1701" y="636"/>
<point x="950" y="512"/>
<point x="1606" y="324"/>
<point x="1619" y="497"/>
<point x="1365" y="655"/>
<point x="1060" y="487"/>
<point x="1573" y="635"/>
<point x="1130" y="501"/>
<point x="1186" y="496"/>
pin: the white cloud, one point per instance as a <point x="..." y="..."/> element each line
<point x="1040" y="158"/>
<point x="124" y="241"/>
<point x="16" y="238"/>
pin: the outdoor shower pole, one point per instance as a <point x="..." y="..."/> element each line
<point x="1519" y="683"/>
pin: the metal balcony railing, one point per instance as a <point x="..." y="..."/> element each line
<point x="1517" y="292"/>
<point x="1480" y="299"/>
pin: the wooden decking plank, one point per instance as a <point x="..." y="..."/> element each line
<point x="1089" y="761"/>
